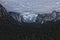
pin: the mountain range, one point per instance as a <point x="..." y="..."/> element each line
<point x="29" y="17"/>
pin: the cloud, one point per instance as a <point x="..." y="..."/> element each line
<point x="35" y="5"/>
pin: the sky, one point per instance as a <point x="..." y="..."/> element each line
<point x="42" y="6"/>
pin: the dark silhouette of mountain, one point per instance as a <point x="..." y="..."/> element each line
<point x="6" y="21"/>
<point x="3" y="11"/>
<point x="16" y="16"/>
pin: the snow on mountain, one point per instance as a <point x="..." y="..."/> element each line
<point x="29" y="17"/>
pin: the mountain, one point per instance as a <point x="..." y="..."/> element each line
<point x="15" y="15"/>
<point x="3" y="11"/>
<point x="28" y="17"/>
<point x="25" y="17"/>
<point x="10" y="28"/>
<point x="42" y="18"/>
<point x="6" y="19"/>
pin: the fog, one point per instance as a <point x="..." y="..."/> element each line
<point x="42" y="6"/>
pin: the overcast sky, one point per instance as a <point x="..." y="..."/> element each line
<point x="31" y="5"/>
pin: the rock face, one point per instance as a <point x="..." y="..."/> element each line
<point x="39" y="18"/>
<point x="5" y="19"/>
<point x="3" y="11"/>
<point x="48" y="17"/>
<point x="57" y="16"/>
<point x="16" y="16"/>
